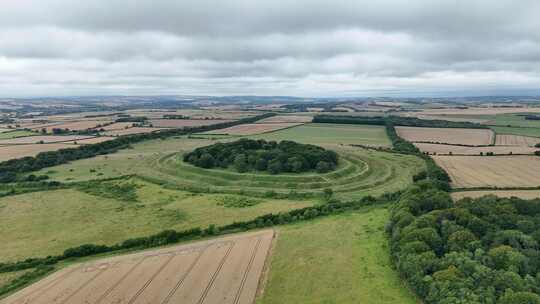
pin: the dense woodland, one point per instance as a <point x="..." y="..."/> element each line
<point x="483" y="250"/>
<point x="260" y="155"/>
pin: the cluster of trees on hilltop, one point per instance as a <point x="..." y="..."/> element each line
<point x="483" y="250"/>
<point x="260" y="155"/>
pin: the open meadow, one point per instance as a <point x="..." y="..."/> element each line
<point x="333" y="134"/>
<point x="339" y="259"/>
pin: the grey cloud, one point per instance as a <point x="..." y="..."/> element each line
<point x="267" y="47"/>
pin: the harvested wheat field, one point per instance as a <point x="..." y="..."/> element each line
<point x="457" y="136"/>
<point x="182" y="123"/>
<point x="287" y="119"/>
<point x="221" y="271"/>
<point x="524" y="194"/>
<point x="116" y="126"/>
<point x="491" y="171"/>
<point x="130" y="131"/>
<point x="463" y="150"/>
<point x="93" y="140"/>
<point x="255" y="128"/>
<point x="44" y="139"/>
<point x="516" y="140"/>
<point x="76" y="125"/>
<point x="19" y="151"/>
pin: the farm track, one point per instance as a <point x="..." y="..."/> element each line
<point x="225" y="270"/>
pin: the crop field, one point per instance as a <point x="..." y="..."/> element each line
<point x="18" y="151"/>
<point x="182" y="123"/>
<point x="219" y="271"/>
<point x="34" y="224"/>
<point x="463" y="150"/>
<point x="252" y="129"/>
<point x="332" y="134"/>
<point x="494" y="171"/>
<point x="15" y="134"/>
<point x="524" y="194"/>
<point x="117" y="126"/>
<point x="341" y="259"/>
<point x="42" y="138"/>
<point x="287" y="119"/>
<point x="516" y="140"/>
<point x="474" y="137"/>
<point x="481" y="111"/>
<point x="532" y="132"/>
<point x="75" y="126"/>
<point x="130" y="131"/>
<point x="93" y="140"/>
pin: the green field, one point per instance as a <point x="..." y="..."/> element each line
<point x="332" y="134"/>
<point x="339" y="259"/>
<point x="534" y="132"/>
<point x="360" y="172"/>
<point x="34" y="224"/>
<point x="16" y="133"/>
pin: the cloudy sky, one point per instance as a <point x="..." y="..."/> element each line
<point x="274" y="47"/>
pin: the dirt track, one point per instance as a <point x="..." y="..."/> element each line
<point x="224" y="270"/>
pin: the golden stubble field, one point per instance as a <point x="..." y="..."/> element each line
<point x="220" y="271"/>
<point x="255" y="128"/>
<point x="491" y="171"/>
<point x="473" y="137"/>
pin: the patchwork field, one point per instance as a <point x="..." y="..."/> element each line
<point x="287" y="119"/>
<point x="130" y="131"/>
<point x="516" y="140"/>
<point x="339" y="259"/>
<point x="473" y="137"/>
<point x="220" y="271"/>
<point x="182" y="123"/>
<point x="333" y="134"/>
<point x="463" y="150"/>
<point x="74" y="126"/>
<point x="255" y="128"/>
<point x="117" y="126"/>
<point x="497" y="171"/>
<point x="524" y="194"/>
<point x="42" y="138"/>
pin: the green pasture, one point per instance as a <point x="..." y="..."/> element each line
<point x="339" y="259"/>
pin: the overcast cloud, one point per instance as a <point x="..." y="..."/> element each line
<point x="259" y="47"/>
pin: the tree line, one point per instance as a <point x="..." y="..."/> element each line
<point x="260" y="155"/>
<point x="396" y="121"/>
<point x="11" y="169"/>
